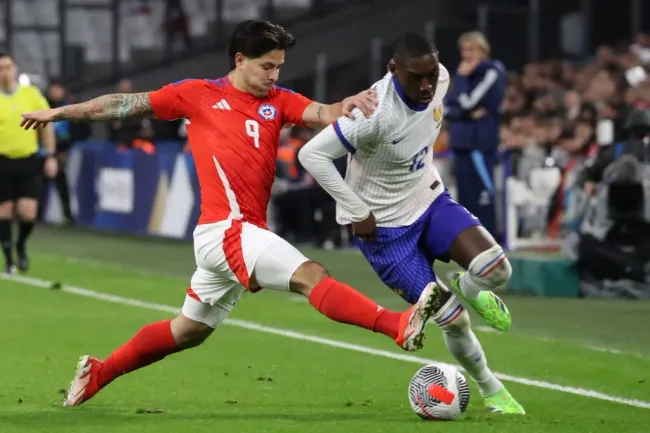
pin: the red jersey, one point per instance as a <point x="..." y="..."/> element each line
<point x="233" y="138"/>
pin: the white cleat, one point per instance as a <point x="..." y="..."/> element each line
<point x="84" y="385"/>
<point x="413" y="321"/>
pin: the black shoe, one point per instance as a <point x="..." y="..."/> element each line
<point x="23" y="262"/>
<point x="11" y="269"/>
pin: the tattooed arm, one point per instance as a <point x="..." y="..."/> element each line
<point x="318" y="115"/>
<point x="107" y="107"/>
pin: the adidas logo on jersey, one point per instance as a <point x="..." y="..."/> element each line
<point x="221" y="105"/>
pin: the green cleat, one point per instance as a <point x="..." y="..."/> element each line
<point x="488" y="305"/>
<point x="503" y="402"/>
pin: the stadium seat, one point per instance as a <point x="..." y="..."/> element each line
<point x="141" y="34"/>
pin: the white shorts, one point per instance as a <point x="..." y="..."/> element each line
<point x="227" y="254"/>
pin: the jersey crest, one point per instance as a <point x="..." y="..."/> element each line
<point x="437" y="113"/>
<point x="267" y="112"/>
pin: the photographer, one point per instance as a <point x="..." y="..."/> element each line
<point x="637" y="127"/>
<point x="614" y="237"/>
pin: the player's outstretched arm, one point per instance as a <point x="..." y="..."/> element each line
<point x="318" y="115"/>
<point x="106" y="107"/>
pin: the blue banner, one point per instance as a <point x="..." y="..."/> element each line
<point x="130" y="191"/>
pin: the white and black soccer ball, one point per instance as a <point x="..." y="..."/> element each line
<point x="439" y="392"/>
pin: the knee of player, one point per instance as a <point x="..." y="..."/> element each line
<point x="189" y="333"/>
<point x="491" y="268"/>
<point x="307" y="276"/>
<point x="27" y="209"/>
<point x="506" y="271"/>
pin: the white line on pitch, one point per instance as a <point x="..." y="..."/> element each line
<point x="37" y="282"/>
<point x="301" y="299"/>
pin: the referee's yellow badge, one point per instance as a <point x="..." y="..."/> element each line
<point x="437" y="113"/>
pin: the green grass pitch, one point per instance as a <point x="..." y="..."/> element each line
<point x="279" y="366"/>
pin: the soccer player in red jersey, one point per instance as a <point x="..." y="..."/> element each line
<point x="233" y="124"/>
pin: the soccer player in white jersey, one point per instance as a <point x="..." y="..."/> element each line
<point x="402" y="216"/>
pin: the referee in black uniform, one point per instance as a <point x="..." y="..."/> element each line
<point x="21" y="165"/>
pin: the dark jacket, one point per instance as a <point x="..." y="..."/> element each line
<point x="483" y="88"/>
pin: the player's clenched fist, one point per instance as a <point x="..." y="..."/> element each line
<point x="366" y="101"/>
<point x="365" y="230"/>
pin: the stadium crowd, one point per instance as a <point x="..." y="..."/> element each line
<point x="560" y="114"/>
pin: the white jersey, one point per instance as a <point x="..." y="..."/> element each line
<point x="391" y="155"/>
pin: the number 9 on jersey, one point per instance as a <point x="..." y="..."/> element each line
<point x="253" y="130"/>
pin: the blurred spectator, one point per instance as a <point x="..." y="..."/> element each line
<point x="304" y="212"/>
<point x="574" y="146"/>
<point x="176" y="25"/>
<point x="473" y="110"/>
<point x="293" y="203"/>
<point x="568" y="116"/>
<point x="67" y="133"/>
<point x="605" y="89"/>
<point x="572" y="105"/>
<point x="144" y="142"/>
<point x="131" y="133"/>
<point x="641" y="47"/>
<point x="638" y="145"/>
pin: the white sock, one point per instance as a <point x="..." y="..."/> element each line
<point x="487" y="271"/>
<point x="468" y="286"/>
<point x="464" y="346"/>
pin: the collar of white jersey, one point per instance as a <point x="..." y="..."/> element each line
<point x="412" y="105"/>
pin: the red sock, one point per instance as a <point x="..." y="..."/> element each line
<point x="342" y="303"/>
<point x="388" y="323"/>
<point x="152" y="343"/>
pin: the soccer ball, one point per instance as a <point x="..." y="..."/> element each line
<point x="439" y="392"/>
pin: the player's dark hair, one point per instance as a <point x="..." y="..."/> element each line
<point x="4" y="54"/>
<point x="255" y="38"/>
<point x="412" y="45"/>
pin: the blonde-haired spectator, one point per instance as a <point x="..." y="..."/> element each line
<point x="472" y="109"/>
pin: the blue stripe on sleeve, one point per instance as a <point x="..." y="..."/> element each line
<point x="344" y="140"/>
